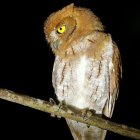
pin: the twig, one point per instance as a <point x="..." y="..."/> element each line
<point x="49" y="108"/>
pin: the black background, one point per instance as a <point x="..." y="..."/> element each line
<point x="26" y="63"/>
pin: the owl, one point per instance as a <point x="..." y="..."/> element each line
<point x="87" y="66"/>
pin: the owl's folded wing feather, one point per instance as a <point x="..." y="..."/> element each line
<point x="115" y="73"/>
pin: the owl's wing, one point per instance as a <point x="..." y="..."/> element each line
<point x="105" y="50"/>
<point x="115" y="73"/>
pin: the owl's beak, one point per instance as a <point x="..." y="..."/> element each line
<point x="55" y="44"/>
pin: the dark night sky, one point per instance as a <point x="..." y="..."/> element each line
<point x="26" y="63"/>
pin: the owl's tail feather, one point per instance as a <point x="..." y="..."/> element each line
<point x="80" y="131"/>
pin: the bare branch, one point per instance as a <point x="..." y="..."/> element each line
<point x="49" y="108"/>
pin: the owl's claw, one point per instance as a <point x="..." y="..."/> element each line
<point x="86" y="113"/>
<point x="52" y="101"/>
<point x="55" y="107"/>
<point x="64" y="107"/>
<point x="59" y="106"/>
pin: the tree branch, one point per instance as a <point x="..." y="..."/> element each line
<point x="53" y="109"/>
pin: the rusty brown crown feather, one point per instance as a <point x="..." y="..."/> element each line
<point x="85" y="23"/>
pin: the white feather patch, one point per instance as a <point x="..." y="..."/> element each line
<point x="80" y="82"/>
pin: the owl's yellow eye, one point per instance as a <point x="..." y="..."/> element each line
<point x="61" y="29"/>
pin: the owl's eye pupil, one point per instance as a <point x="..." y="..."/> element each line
<point x="60" y="28"/>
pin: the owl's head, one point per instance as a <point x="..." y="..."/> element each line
<point x="66" y="26"/>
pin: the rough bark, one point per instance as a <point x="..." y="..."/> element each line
<point x="55" y="110"/>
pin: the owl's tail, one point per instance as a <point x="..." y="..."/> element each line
<point x="80" y="131"/>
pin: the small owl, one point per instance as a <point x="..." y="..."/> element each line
<point x="87" y="66"/>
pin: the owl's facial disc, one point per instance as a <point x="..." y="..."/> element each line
<point x="59" y="33"/>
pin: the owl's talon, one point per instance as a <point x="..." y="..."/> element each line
<point x="60" y="106"/>
<point x="52" y="101"/>
<point x="86" y="114"/>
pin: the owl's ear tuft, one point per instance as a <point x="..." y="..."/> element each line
<point x="69" y="7"/>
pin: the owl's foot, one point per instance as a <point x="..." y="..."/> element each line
<point x="63" y="107"/>
<point x="58" y="108"/>
<point x="53" y="103"/>
<point x="87" y="113"/>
